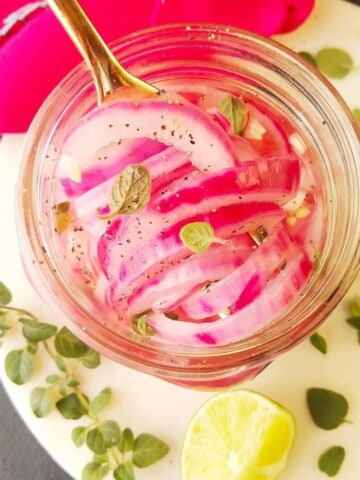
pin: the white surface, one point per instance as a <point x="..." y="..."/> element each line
<point x="148" y="404"/>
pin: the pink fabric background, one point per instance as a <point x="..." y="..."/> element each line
<point x="35" y="52"/>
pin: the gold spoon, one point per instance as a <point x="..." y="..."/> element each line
<point x="107" y="72"/>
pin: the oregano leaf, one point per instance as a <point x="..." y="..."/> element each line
<point x="328" y="409"/>
<point x="68" y="345"/>
<point x="60" y="363"/>
<point x="71" y="382"/>
<point x="127" y="441"/>
<point x="140" y="325"/>
<point x="91" y="359"/>
<point x="148" y="449"/>
<point x="100" y="401"/>
<point x="5" y="294"/>
<point x="32" y="347"/>
<point x="125" y="471"/>
<point x="198" y="236"/>
<point x="334" y="62"/>
<point x="95" y="471"/>
<point x="40" y="402"/>
<point x="71" y="407"/>
<point x="95" y="441"/>
<point x="355" y="307"/>
<point x="111" y="432"/>
<point x="78" y="436"/>
<point x="35" y="331"/>
<point x="354" y="322"/>
<point x="19" y="366"/>
<point x="235" y="111"/>
<point x="52" y="378"/>
<point x="331" y="461"/>
<point x="130" y="192"/>
<point x="62" y="389"/>
<point x="319" y="342"/>
<point x="309" y="57"/>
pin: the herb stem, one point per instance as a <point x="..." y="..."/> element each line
<point x="113" y="452"/>
<point x="48" y="350"/>
<point x="19" y="311"/>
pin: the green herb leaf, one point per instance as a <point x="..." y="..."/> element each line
<point x="78" y="436"/>
<point x="355" y="307"/>
<point x="106" y="435"/>
<point x="125" y="471"/>
<point x="198" y="236"/>
<point x="140" y="325"/>
<point x="328" y="409"/>
<point x="71" y="407"/>
<point x="98" y="404"/>
<point x="62" y="389"/>
<point x="95" y="471"/>
<point x="111" y="433"/>
<point x="4" y="326"/>
<point x="356" y="113"/>
<point x="68" y="345"/>
<point x="331" y="461"/>
<point x="60" y="363"/>
<point x="235" y="111"/>
<point x="5" y="294"/>
<point x="35" y="331"/>
<point x="52" y="379"/>
<point x="131" y="191"/>
<point x="148" y="450"/>
<point x="95" y="441"/>
<point x="354" y="322"/>
<point x="62" y="217"/>
<point x="334" y="62"/>
<point x="91" y="359"/>
<point x="19" y="366"/>
<point x="307" y="56"/>
<point x="318" y="342"/>
<point x="40" y="401"/>
<point x="127" y="441"/>
<point x="32" y="347"/>
<point x="71" y="382"/>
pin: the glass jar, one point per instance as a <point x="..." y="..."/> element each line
<point x="215" y="56"/>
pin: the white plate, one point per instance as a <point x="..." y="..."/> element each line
<point x="148" y="404"/>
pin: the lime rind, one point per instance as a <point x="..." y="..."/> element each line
<point x="238" y="435"/>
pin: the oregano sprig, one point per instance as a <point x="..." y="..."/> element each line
<point x="114" y="450"/>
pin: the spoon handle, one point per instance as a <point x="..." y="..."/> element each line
<point x="108" y="74"/>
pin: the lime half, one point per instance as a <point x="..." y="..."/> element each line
<point x="237" y="435"/>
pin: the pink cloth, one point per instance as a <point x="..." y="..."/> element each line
<point x="35" y="52"/>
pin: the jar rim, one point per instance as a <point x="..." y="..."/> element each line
<point x="274" y="338"/>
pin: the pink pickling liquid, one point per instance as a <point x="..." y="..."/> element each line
<point x="201" y="171"/>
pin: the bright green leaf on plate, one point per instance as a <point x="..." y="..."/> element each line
<point x="68" y="345"/>
<point x="35" y="331"/>
<point x="354" y="322"/>
<point x="127" y="441"/>
<point x="308" y="57"/>
<point x="78" y="436"/>
<point x="5" y="294"/>
<point x="91" y="359"/>
<point x="111" y="433"/>
<point x="148" y="449"/>
<point x="318" y="342"/>
<point x="334" y="62"/>
<point x="96" y="441"/>
<point x="331" y="461"/>
<point x="19" y="366"/>
<point x="328" y="409"/>
<point x="71" y="407"/>
<point x="60" y="363"/>
<point x="40" y="402"/>
<point x="95" y="471"/>
<point x="71" y="382"/>
<point x="98" y="404"/>
<point x="125" y="471"/>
